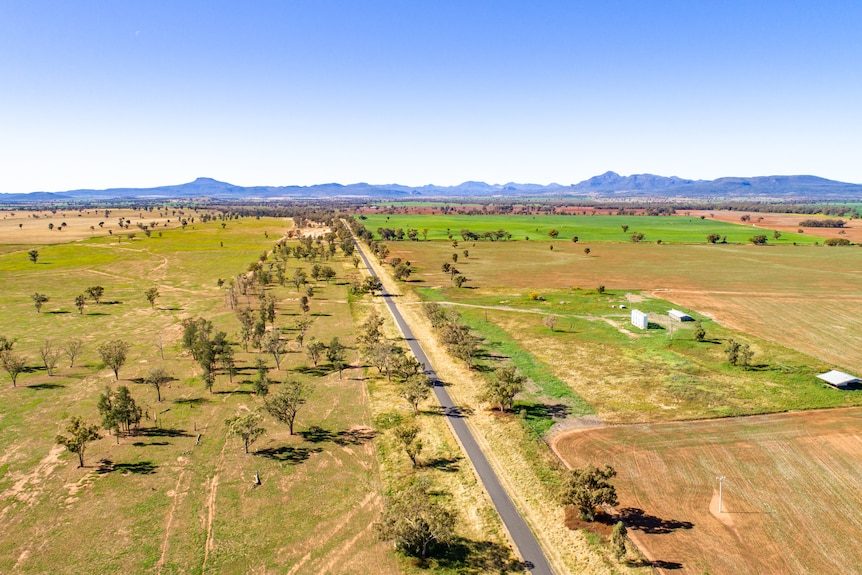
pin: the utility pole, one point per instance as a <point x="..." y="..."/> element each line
<point x="720" y="481"/>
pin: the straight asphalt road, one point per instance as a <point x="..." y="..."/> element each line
<point x="534" y="558"/>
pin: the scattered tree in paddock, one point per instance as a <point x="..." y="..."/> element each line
<point x="73" y="349"/>
<point x="50" y="355"/>
<point x="415" y="521"/>
<point x="80" y="434"/>
<point x="113" y="354"/>
<point x="618" y="538"/>
<point x="273" y="344"/>
<point x="33" y="255"/>
<point x="152" y="294"/>
<point x="503" y="387"/>
<point x="158" y="377"/>
<point x="286" y="403"/>
<point x="588" y="487"/>
<point x="262" y="381"/>
<point x="95" y="293"/>
<point x="758" y="240"/>
<point x="80" y="303"/>
<point x="303" y="324"/>
<point x="13" y="364"/>
<point x="315" y="350"/>
<point x="246" y="427"/>
<point x="699" y="332"/>
<point x="336" y="355"/>
<point x="713" y="238"/>
<point x="119" y="411"/>
<point x="550" y="321"/>
<point x="38" y="300"/>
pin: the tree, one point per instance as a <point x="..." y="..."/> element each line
<point x="759" y="240"/>
<point x="38" y="300"/>
<point x="625" y="229"/>
<point x="550" y="322"/>
<point x="152" y="295"/>
<point x="408" y="436"/>
<point x="299" y="278"/>
<point x="118" y="410"/>
<point x="13" y="364"/>
<point x="745" y="355"/>
<point x="80" y="434"/>
<point x="587" y="251"/>
<point x="303" y="304"/>
<point x="73" y="349"/>
<point x="261" y="382"/>
<point x="618" y="540"/>
<point x="415" y="389"/>
<point x="158" y="377"/>
<point x="699" y="332"/>
<point x="246" y="427"/>
<point x="415" y="521"/>
<point x="588" y="487"/>
<point x="504" y="386"/>
<point x="285" y="405"/>
<point x="303" y="324"/>
<point x="553" y="233"/>
<point x="459" y="280"/>
<point x="315" y="350"/>
<point x="34" y="255"/>
<point x="273" y="343"/>
<point x="372" y="284"/>
<point x="776" y="234"/>
<point x="636" y="237"/>
<point x="95" y="293"/>
<point x="713" y="238"/>
<point x="113" y="354"/>
<point x="335" y="355"/>
<point x="49" y="355"/>
<point x="80" y="303"/>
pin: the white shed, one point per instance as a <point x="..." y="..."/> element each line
<point x="838" y="378"/>
<point x="679" y="316"/>
<point x="640" y="319"/>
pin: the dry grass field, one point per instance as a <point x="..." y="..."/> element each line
<point x="790" y="498"/>
<point x="158" y="501"/>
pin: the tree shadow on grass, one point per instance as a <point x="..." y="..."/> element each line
<point x="58" y="312"/>
<point x="235" y="391"/>
<point x="139" y="468"/>
<point x="357" y="436"/>
<point x="447" y="464"/>
<point x="318" y="371"/>
<point x="192" y="401"/>
<point x="39" y="386"/>
<point x="639" y="520"/>
<point x="142" y="444"/>
<point x="287" y="454"/>
<point x="162" y="432"/>
<point x="473" y="557"/>
<point x="543" y="410"/>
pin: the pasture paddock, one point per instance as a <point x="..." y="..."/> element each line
<point x="808" y="298"/>
<point x="790" y="504"/>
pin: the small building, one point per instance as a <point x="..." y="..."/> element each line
<point x="640" y="319"/>
<point x="679" y="316"/>
<point x="838" y="378"/>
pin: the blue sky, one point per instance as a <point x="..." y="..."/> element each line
<point x="138" y="94"/>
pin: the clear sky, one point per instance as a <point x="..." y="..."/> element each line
<point x="97" y="94"/>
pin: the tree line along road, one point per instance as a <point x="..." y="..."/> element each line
<point x="525" y="541"/>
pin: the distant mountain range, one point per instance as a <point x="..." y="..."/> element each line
<point x="609" y="185"/>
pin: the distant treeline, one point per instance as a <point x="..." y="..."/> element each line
<point x="825" y="223"/>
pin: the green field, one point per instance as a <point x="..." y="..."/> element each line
<point x="668" y="229"/>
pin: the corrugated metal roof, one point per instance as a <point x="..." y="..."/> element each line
<point x="839" y="378"/>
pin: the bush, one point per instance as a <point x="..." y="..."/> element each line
<point x="837" y="242"/>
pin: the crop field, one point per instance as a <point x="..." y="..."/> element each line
<point x="808" y="298"/>
<point x="790" y="497"/>
<point x="159" y="501"/>
<point x="593" y="228"/>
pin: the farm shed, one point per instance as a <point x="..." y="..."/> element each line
<point x="639" y="319"/>
<point x="838" y="378"/>
<point x="679" y="316"/>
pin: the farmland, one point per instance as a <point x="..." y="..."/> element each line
<point x="594" y="228"/>
<point x="797" y="306"/>
<point x="789" y="500"/>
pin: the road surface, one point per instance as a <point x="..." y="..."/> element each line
<point x="534" y="558"/>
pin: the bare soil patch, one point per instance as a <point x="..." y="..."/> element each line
<point x="790" y="497"/>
